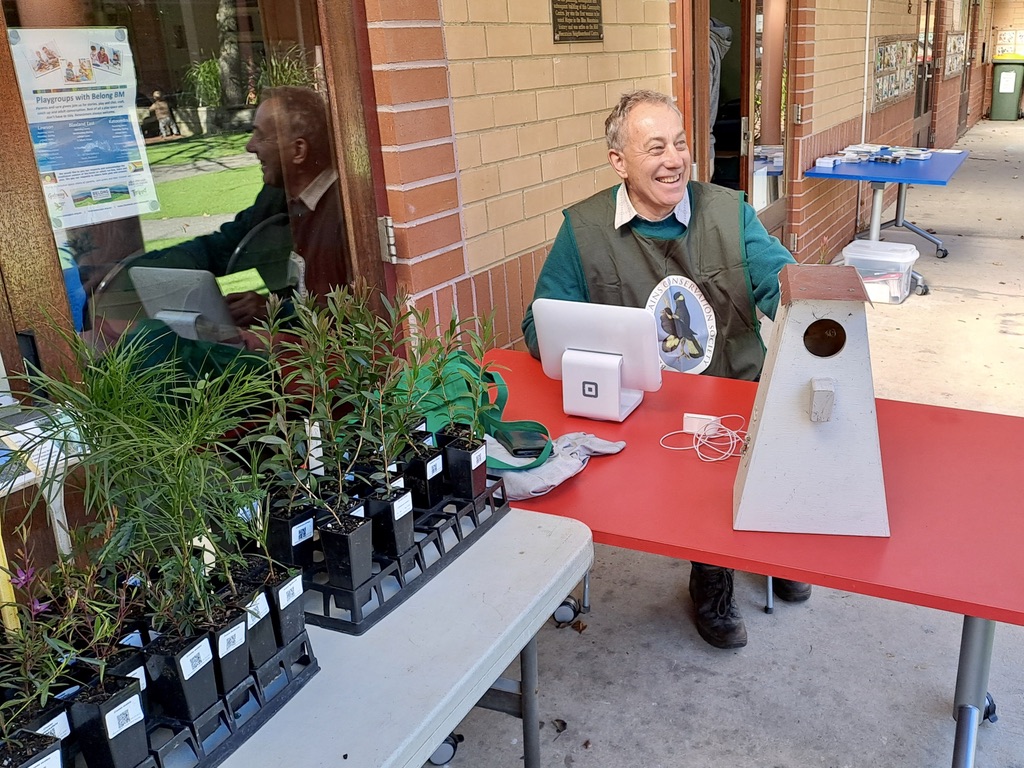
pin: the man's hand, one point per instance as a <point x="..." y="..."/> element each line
<point x="247" y="308"/>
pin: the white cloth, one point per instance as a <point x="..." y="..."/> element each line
<point x="569" y="455"/>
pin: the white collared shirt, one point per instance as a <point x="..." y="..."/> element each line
<point x="311" y="195"/>
<point x="625" y="212"/>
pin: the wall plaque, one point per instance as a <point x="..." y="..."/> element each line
<point x="577" y="21"/>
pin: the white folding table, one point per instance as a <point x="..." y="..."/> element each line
<point x="392" y="695"/>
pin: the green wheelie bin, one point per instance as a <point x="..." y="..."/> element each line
<point x="1006" y="89"/>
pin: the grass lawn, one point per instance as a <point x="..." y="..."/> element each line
<point x="208" y="193"/>
<point x="155" y="245"/>
<point x="195" y="148"/>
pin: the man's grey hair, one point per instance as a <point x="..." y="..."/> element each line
<point x="613" y="126"/>
<point x="303" y="116"/>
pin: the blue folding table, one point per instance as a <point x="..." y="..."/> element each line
<point x="937" y="170"/>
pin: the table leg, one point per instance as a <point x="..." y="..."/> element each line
<point x="900" y="220"/>
<point x="878" y="191"/>
<point x="531" y="704"/>
<point x="971" y="686"/>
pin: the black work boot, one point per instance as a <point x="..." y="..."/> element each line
<point x="791" y="591"/>
<point x="717" y="617"/>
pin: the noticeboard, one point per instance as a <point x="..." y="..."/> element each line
<point x="577" y="21"/>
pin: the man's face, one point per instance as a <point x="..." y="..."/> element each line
<point x="655" y="160"/>
<point x="264" y="144"/>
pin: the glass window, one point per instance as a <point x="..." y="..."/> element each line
<point x="185" y="153"/>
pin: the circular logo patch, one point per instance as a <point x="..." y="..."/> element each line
<point x="686" y="324"/>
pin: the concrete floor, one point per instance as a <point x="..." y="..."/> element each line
<point x="842" y="681"/>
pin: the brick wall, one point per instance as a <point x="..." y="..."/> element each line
<point x="838" y="63"/>
<point x="490" y="129"/>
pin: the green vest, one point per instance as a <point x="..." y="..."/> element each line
<point x="623" y="267"/>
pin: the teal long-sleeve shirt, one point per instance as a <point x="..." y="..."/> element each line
<point x="562" y="274"/>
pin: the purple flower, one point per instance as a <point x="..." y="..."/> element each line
<point x="37" y="607"/>
<point x="23" y="578"/>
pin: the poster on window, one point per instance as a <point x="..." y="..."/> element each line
<point x="78" y="88"/>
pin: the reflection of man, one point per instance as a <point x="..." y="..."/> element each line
<point x="661" y="240"/>
<point x="291" y="140"/>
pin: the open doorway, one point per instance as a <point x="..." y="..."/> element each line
<point x="750" y="37"/>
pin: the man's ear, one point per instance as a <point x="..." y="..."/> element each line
<point x="300" y="153"/>
<point x="617" y="162"/>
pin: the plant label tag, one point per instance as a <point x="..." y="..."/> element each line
<point x="434" y="467"/>
<point x="429" y="440"/>
<point x="403" y="506"/>
<point x="139" y="673"/>
<point x="197" y="657"/>
<point x="231" y="640"/>
<point x="257" y="610"/>
<point x="478" y="457"/>
<point x="52" y="760"/>
<point x="133" y="639"/>
<point x="123" y="716"/>
<point x="398" y="483"/>
<point x="59" y="727"/>
<point x="302" y="531"/>
<point x="357" y="511"/>
<point x="421" y="427"/>
<point x="249" y="512"/>
<point x="315" y="449"/>
<point x="290" y="592"/>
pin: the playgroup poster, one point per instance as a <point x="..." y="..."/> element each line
<point x="78" y="88"/>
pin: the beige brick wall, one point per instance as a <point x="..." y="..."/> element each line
<point x="840" y="48"/>
<point x="1007" y="14"/>
<point x="528" y="114"/>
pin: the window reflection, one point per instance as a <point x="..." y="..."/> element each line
<point x="236" y="134"/>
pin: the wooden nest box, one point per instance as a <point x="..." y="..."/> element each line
<point x="811" y="461"/>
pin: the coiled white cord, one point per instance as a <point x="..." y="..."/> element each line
<point x="714" y="441"/>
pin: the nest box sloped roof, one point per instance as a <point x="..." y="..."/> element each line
<point x="820" y="282"/>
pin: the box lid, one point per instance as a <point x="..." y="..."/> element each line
<point x="877" y="250"/>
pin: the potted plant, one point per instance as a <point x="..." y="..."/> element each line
<point x="460" y="403"/>
<point x="34" y="667"/>
<point x="156" y="453"/>
<point x="319" y="428"/>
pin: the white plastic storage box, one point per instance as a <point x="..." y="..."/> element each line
<point x="884" y="267"/>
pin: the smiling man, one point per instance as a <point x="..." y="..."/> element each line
<point x="694" y="254"/>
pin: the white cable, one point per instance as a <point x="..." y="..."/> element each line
<point x="714" y="441"/>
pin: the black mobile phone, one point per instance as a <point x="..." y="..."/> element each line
<point x="522" y="443"/>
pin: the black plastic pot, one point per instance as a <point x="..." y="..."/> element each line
<point x="54" y="720"/>
<point x="290" y="535"/>
<point x="231" y="652"/>
<point x="348" y="549"/>
<point x="392" y="522"/>
<point x="424" y="476"/>
<point x="35" y="750"/>
<point x="182" y="675"/>
<point x="131" y="663"/>
<point x="109" y="724"/>
<point x="466" y="468"/>
<point x="250" y="580"/>
<point x="260" y="629"/>
<point x="286" y="608"/>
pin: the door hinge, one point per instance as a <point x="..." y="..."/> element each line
<point x="744" y="135"/>
<point x="386" y="232"/>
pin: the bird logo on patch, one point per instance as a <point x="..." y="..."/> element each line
<point x="675" y="321"/>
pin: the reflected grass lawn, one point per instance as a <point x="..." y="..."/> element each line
<point x="208" y="193"/>
<point x="194" y="148"/>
